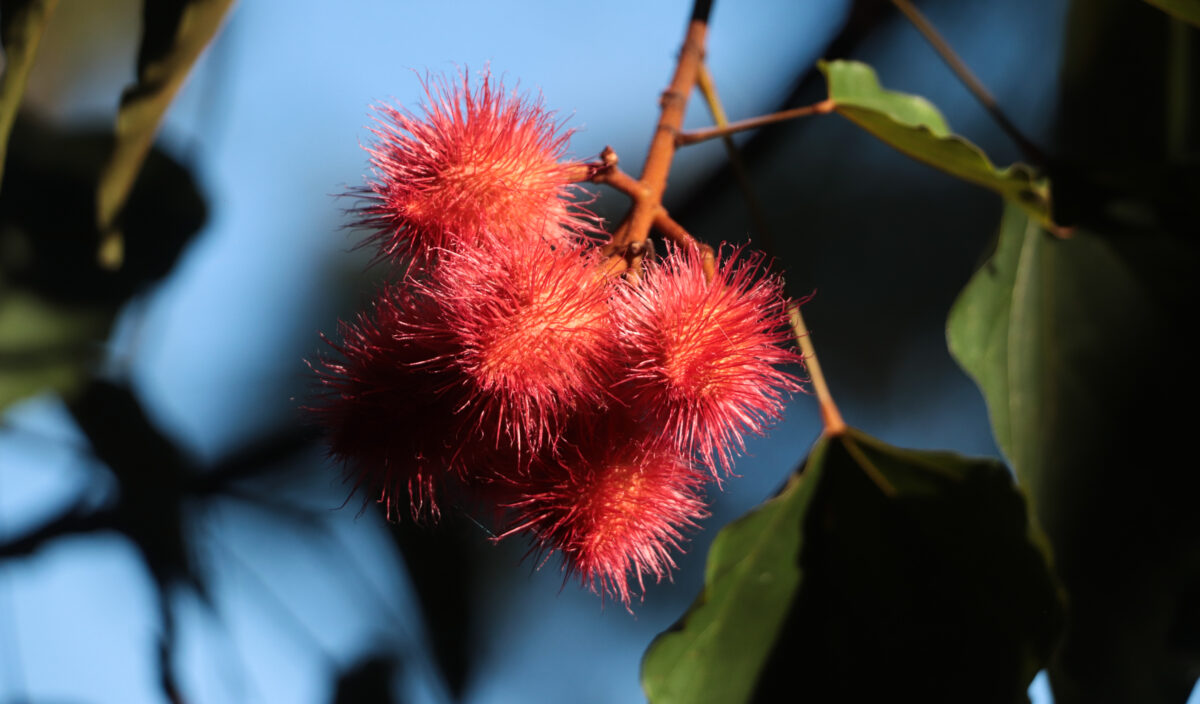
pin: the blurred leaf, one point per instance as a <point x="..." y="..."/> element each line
<point x="912" y="125"/>
<point x="154" y="479"/>
<point x="174" y="33"/>
<point x="837" y="590"/>
<point x="47" y="345"/>
<point x="47" y="232"/>
<point x="368" y="681"/>
<point x="1080" y="347"/>
<point x="21" y="25"/>
<point x="442" y="563"/>
<point x="1186" y="10"/>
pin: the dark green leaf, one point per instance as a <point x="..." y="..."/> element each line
<point x="21" y="26"/>
<point x="926" y="583"/>
<point x="1081" y="349"/>
<point x="914" y="126"/>
<point x="47" y="231"/>
<point x="56" y="302"/>
<point x="1186" y="10"/>
<point x="173" y="35"/>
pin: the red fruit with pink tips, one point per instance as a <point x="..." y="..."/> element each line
<point x="613" y="501"/>
<point x="477" y="164"/>
<point x="530" y="335"/>
<point x="705" y="356"/>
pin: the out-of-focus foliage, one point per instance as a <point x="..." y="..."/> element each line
<point x="173" y="35"/>
<point x="56" y="301"/>
<point x="21" y="25"/>
<point x="1186" y="10"/>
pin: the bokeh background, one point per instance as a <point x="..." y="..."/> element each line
<point x="299" y="596"/>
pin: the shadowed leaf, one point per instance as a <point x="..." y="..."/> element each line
<point x="21" y="25"/>
<point x="1186" y="10"/>
<point x="1080" y="348"/>
<point x="912" y="125"/>
<point x="838" y="589"/>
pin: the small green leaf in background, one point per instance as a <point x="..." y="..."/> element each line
<point x="47" y="346"/>
<point x="912" y="125"/>
<point x="173" y="35"/>
<point x="21" y="25"/>
<point x="1186" y="10"/>
<point x="1082" y="349"/>
<point x="927" y="584"/>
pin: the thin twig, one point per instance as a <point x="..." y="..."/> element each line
<point x="832" y="417"/>
<point x="694" y="136"/>
<point x="1031" y="151"/>
<point x="708" y="88"/>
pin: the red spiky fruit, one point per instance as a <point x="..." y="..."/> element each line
<point x="613" y="501"/>
<point x="384" y="410"/>
<point x="530" y="332"/>
<point x="705" y="356"/>
<point x="474" y="164"/>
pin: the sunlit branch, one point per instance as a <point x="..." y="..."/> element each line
<point x="631" y="252"/>
<point x="830" y="414"/>
<point x="670" y="122"/>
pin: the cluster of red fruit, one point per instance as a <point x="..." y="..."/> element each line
<point x="507" y="367"/>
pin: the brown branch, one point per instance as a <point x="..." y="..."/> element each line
<point x="685" y="138"/>
<point x="832" y="417"/>
<point x="670" y="122"/>
<point x="1031" y="151"/>
<point x="627" y="247"/>
<point x="608" y="173"/>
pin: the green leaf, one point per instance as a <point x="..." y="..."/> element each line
<point x="173" y="35"/>
<point x="912" y="125"/>
<point x="1186" y="10"/>
<point x="751" y="576"/>
<point x="876" y="572"/>
<point x="1080" y="347"/>
<point x="47" y="346"/>
<point x="21" y="25"/>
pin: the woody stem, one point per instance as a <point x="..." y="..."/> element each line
<point x="647" y="210"/>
